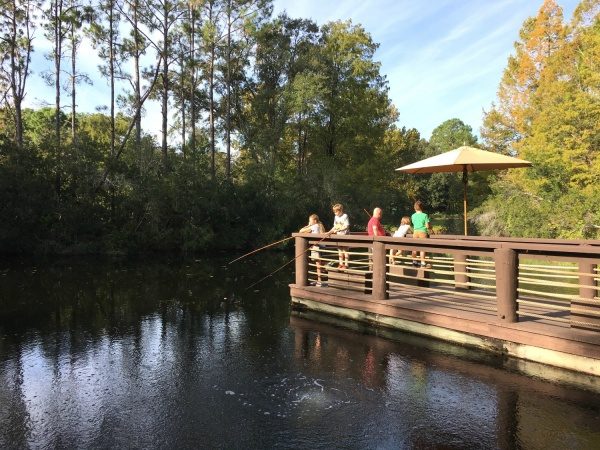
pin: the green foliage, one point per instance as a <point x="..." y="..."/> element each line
<point x="443" y="192"/>
<point x="311" y="124"/>
<point x="557" y="197"/>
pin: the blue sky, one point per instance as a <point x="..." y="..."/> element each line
<point x="442" y="58"/>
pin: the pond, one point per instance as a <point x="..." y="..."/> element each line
<point x="180" y="354"/>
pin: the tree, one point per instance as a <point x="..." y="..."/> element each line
<point x="17" y="29"/>
<point x="211" y="34"/>
<point x="241" y="18"/>
<point x="284" y="98"/>
<point x="356" y="109"/>
<point x="509" y="120"/>
<point x="135" y="47"/>
<point x="444" y="190"/>
<point x="74" y="19"/>
<point x="166" y="14"/>
<point x="561" y="140"/>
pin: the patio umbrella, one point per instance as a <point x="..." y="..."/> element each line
<point x="464" y="159"/>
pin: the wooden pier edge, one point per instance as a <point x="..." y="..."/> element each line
<point x="565" y="352"/>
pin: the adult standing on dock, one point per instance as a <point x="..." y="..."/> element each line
<point x="374" y="227"/>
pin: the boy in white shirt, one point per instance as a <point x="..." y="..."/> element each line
<point x="341" y="226"/>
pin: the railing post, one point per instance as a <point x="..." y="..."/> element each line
<point x="460" y="269"/>
<point x="379" y="291"/>
<point x="579" y="318"/>
<point x="301" y="261"/>
<point x="507" y="272"/>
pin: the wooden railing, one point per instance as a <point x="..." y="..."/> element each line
<point x="553" y="281"/>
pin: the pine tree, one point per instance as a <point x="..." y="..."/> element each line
<point x="16" y="30"/>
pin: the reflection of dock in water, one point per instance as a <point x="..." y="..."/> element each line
<point x="537" y="300"/>
<point x="419" y="374"/>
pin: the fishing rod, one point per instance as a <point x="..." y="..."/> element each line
<point x="290" y="261"/>
<point x="367" y="212"/>
<point x="262" y="248"/>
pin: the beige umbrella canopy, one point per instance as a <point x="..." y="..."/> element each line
<point x="464" y="159"/>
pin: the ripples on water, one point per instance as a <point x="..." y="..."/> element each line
<point x="181" y="355"/>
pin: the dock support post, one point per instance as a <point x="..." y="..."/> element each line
<point x="301" y="261"/>
<point x="507" y="272"/>
<point x="587" y="283"/>
<point x="460" y="269"/>
<point x="379" y="271"/>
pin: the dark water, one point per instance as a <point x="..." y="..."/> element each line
<point x="161" y="354"/>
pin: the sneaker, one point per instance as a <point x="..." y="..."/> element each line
<point x="318" y="284"/>
<point x="425" y="265"/>
<point x="416" y="263"/>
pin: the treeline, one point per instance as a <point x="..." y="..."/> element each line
<point x="548" y="112"/>
<point x="264" y="120"/>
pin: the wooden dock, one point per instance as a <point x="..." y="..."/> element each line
<point x="532" y="299"/>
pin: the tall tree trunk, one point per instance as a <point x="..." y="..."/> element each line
<point x="182" y="95"/>
<point x="228" y="87"/>
<point x="165" y="83"/>
<point x="211" y="116"/>
<point x="57" y="29"/>
<point x="57" y="12"/>
<point x="137" y="79"/>
<point x="111" y="69"/>
<point x="73" y="82"/>
<point x="192" y="77"/>
<point x="18" y="74"/>
<point x="331" y="140"/>
<point x="302" y="136"/>
<point x="211" y="99"/>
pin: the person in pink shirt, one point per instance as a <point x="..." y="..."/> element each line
<point x="374" y="227"/>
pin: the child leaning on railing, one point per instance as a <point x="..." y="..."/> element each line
<point x="401" y="232"/>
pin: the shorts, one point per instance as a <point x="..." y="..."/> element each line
<point x="314" y="253"/>
<point x="420" y="234"/>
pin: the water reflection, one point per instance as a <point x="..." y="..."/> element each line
<point x="164" y="355"/>
<point x="430" y="399"/>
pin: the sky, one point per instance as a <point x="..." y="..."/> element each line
<point x="443" y="59"/>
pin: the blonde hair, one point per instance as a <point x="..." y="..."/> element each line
<point x="405" y="221"/>
<point x="316" y="219"/>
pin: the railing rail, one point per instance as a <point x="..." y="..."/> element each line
<point x="554" y="281"/>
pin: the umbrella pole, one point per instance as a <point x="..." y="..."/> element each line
<point x="465" y="181"/>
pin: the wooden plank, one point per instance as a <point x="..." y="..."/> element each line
<point x="585" y="315"/>
<point x="418" y="276"/>
<point x="341" y="279"/>
<point x="577" y="342"/>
